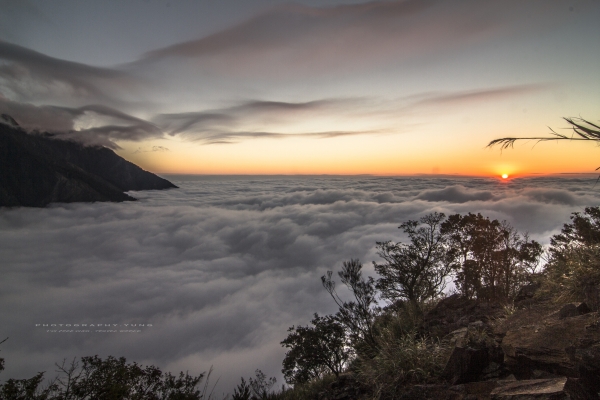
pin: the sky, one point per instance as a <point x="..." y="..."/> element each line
<point x="309" y="87"/>
<point x="223" y="266"/>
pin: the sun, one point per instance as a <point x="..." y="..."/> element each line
<point x="504" y="176"/>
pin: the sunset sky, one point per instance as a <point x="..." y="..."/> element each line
<point x="310" y="87"/>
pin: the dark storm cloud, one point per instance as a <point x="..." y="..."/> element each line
<point x="223" y="266"/>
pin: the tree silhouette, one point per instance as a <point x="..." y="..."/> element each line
<point x="414" y="271"/>
<point x="357" y="316"/>
<point x="315" y="350"/>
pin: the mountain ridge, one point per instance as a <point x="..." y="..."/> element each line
<point x="37" y="169"/>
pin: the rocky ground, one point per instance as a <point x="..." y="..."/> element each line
<point x="534" y="350"/>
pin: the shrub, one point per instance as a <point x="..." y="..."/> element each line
<point x="107" y="379"/>
<point x="415" y="271"/>
<point x="315" y="351"/>
<point x="403" y="358"/>
<point x="573" y="270"/>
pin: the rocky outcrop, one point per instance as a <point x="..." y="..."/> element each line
<point x="542" y="351"/>
<point x="455" y="312"/>
<point x="551" y="389"/>
<point x="551" y="346"/>
<point x="36" y="170"/>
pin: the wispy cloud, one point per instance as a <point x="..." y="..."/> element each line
<point x="290" y="40"/>
<point x="153" y="149"/>
<point x="27" y="75"/>
<point x="92" y="124"/>
<point x="228" y="125"/>
<point x="482" y="95"/>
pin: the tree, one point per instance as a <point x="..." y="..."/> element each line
<point x="415" y="271"/>
<point x="584" y="230"/>
<point x="315" y="351"/>
<point x="258" y="388"/>
<point x="357" y="316"/>
<point x="107" y="379"/>
<point x="490" y="258"/>
<point x="573" y="270"/>
<point x="242" y="391"/>
<point x="261" y="386"/>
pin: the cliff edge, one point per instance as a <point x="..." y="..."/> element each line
<point x="36" y="169"/>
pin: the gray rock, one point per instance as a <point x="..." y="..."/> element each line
<point x="550" y="389"/>
<point x="567" y="311"/>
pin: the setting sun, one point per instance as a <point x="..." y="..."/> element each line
<point x="504" y="176"/>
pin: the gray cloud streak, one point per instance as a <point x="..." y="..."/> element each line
<point x="223" y="126"/>
<point x="490" y="94"/>
<point x="61" y="122"/>
<point x="27" y="75"/>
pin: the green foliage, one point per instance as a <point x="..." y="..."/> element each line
<point x="403" y="358"/>
<point x="107" y="379"/>
<point x="356" y="316"/>
<point x="416" y="271"/>
<point x="490" y="258"/>
<point x="27" y="389"/>
<point x="315" y="351"/>
<point x="573" y="270"/>
<point x="2" y="359"/>
<point x="307" y="391"/>
<point x="242" y="391"/>
<point x="257" y="388"/>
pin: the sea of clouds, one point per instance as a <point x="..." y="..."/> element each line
<point x="221" y="267"/>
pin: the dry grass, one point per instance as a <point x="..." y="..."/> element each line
<point x="402" y="359"/>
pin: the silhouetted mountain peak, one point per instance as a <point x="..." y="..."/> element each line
<point x="8" y="120"/>
<point x="36" y="169"/>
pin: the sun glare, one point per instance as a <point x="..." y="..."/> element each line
<point x="504" y="176"/>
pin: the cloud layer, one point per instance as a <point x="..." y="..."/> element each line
<point x="224" y="265"/>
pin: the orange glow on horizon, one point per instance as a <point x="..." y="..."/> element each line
<point x="357" y="156"/>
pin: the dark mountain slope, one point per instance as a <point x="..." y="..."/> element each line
<point x="36" y="170"/>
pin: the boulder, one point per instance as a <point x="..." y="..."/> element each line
<point x="568" y="347"/>
<point x="573" y="310"/>
<point x="465" y="365"/>
<point x="527" y="292"/>
<point x="592" y="296"/>
<point x="475" y="357"/>
<point x="474" y="391"/>
<point x="567" y="311"/>
<point x="550" y="389"/>
<point x="583" y="308"/>
<point x="455" y="312"/>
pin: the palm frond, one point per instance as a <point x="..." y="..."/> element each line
<point x="582" y="130"/>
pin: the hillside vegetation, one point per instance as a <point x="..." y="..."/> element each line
<point x="518" y="322"/>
